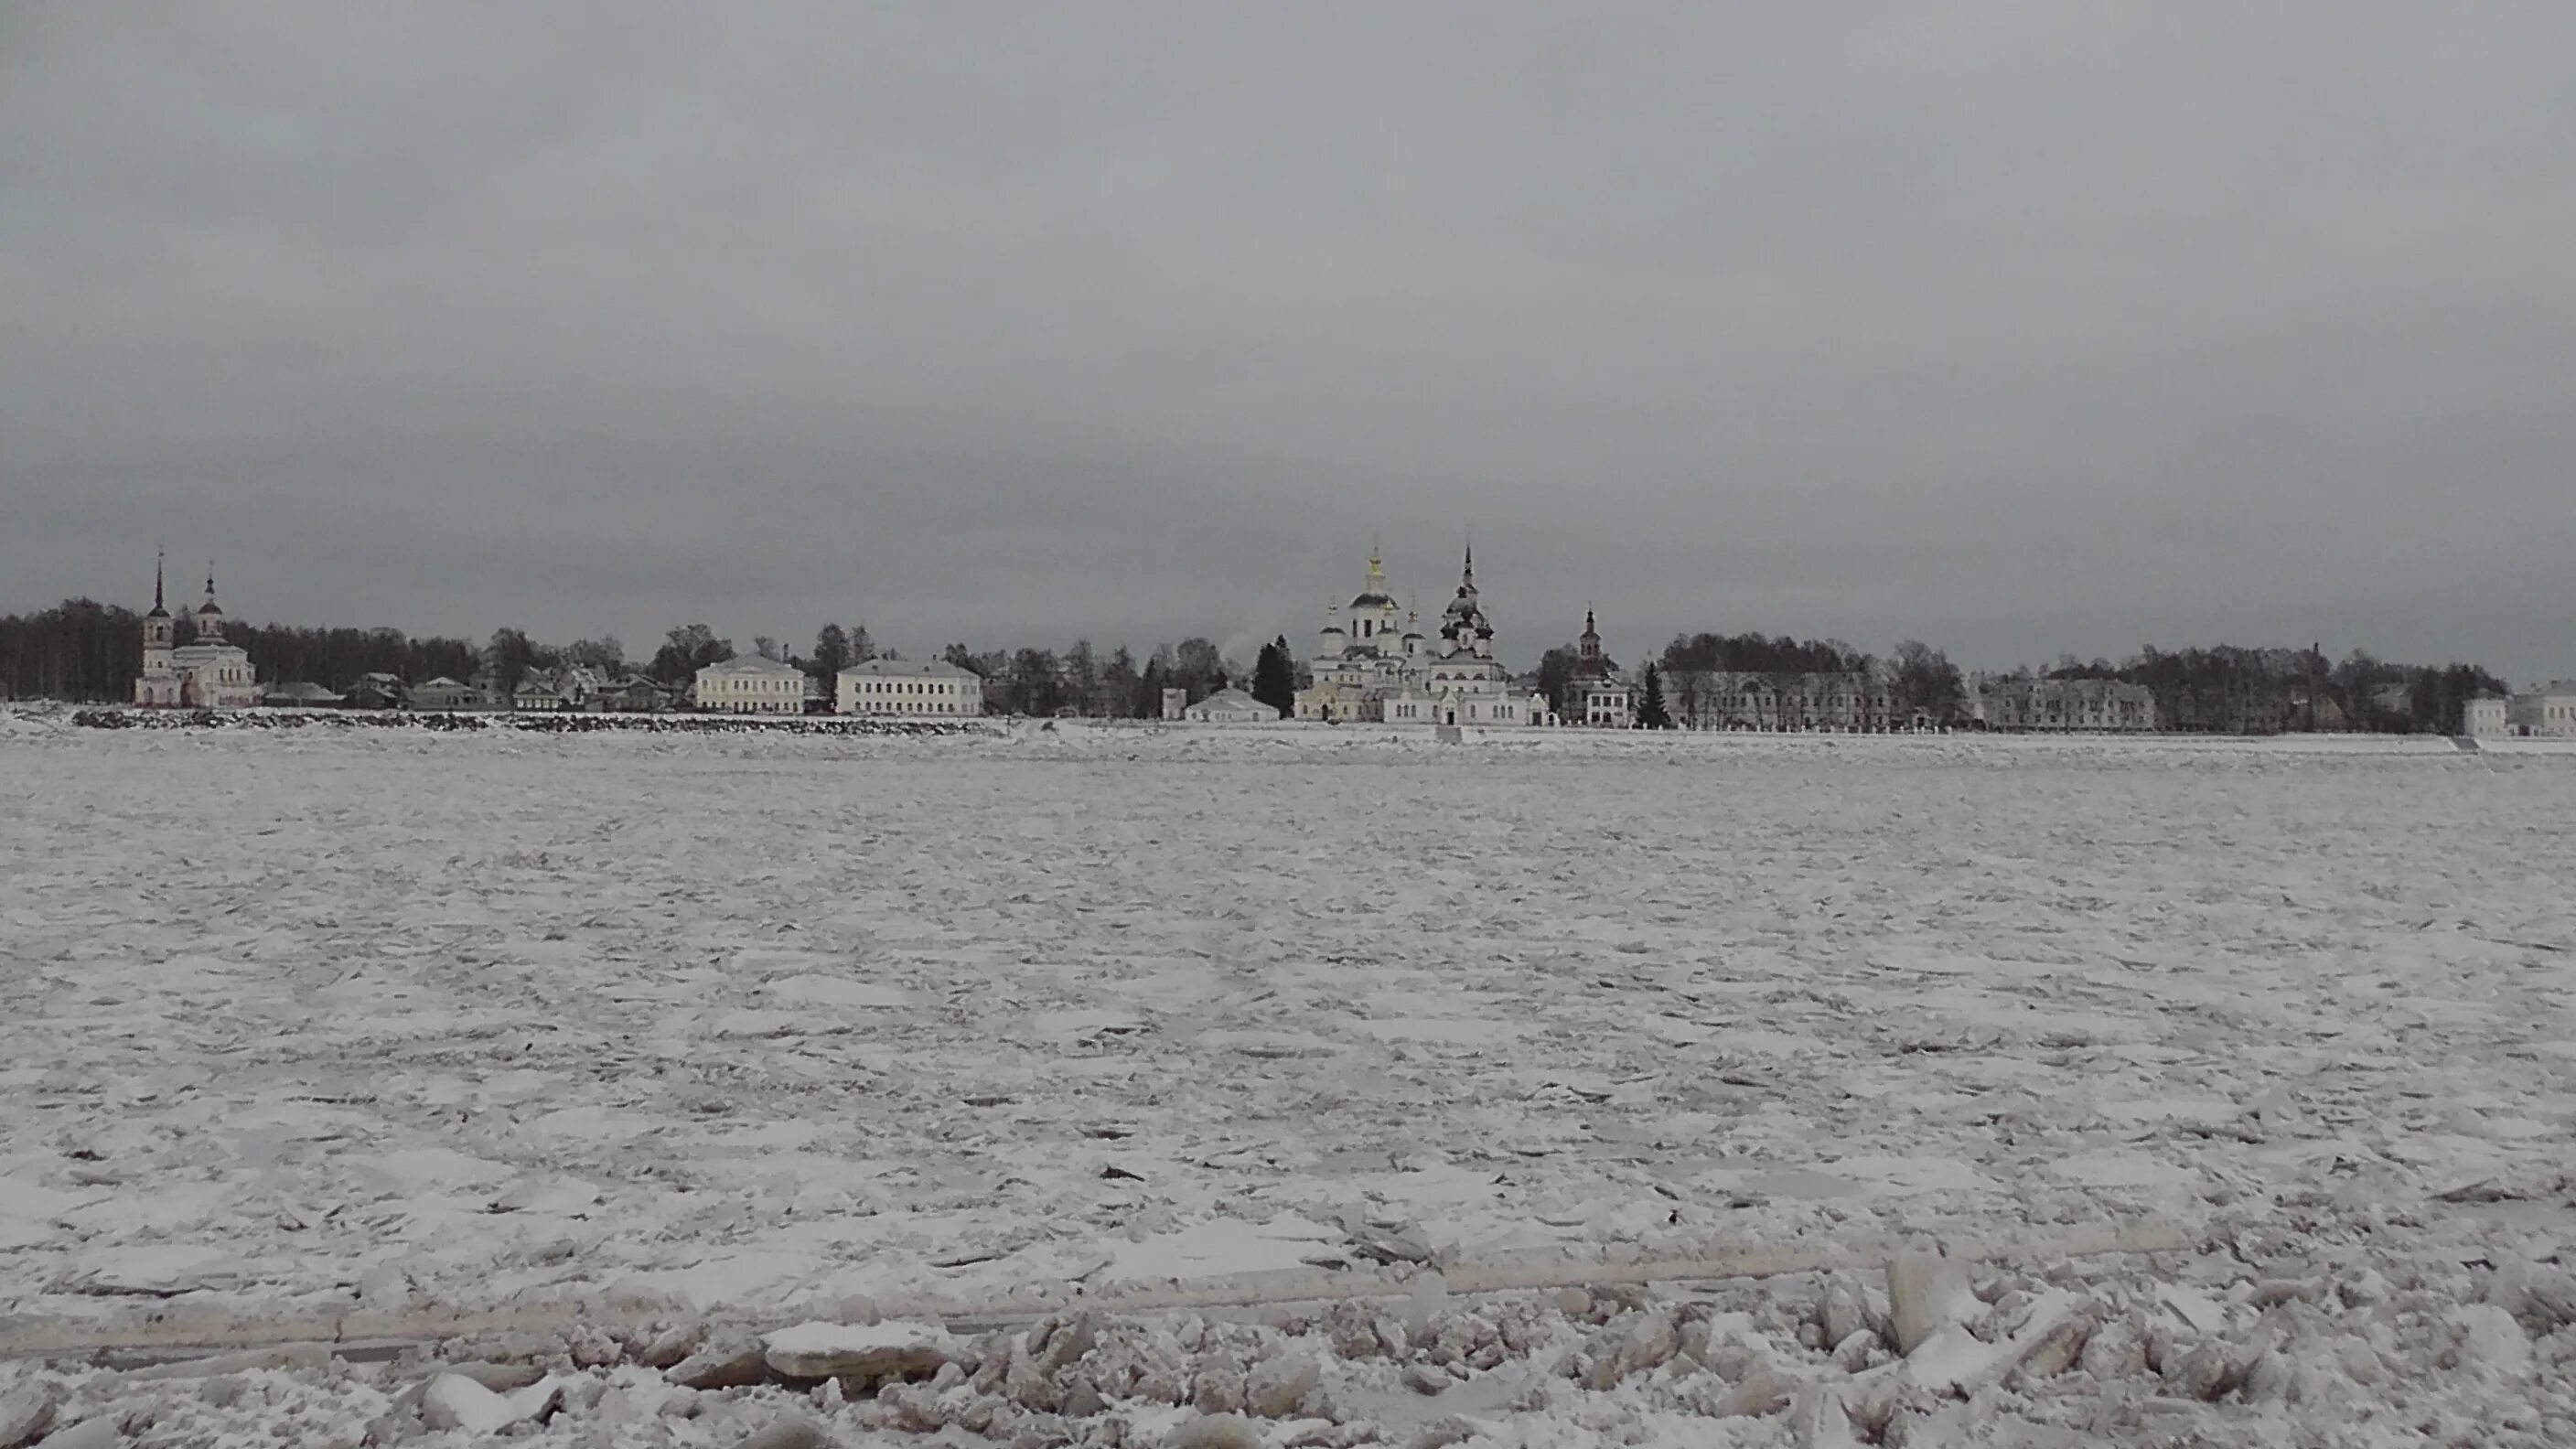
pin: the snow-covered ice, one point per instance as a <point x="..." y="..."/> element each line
<point x="313" y="1019"/>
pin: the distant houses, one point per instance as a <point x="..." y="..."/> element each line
<point x="378" y="691"/>
<point x="1374" y="663"/>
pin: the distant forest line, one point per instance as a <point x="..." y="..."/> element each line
<point x="83" y="651"/>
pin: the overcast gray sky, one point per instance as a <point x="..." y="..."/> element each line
<point x="2019" y="328"/>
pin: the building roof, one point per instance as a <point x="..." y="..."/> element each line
<point x="302" y="692"/>
<point x="206" y="651"/>
<point x="910" y="669"/>
<point x="1231" y="699"/>
<point x="750" y="664"/>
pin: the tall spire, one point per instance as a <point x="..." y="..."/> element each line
<point x="1467" y="576"/>
<point x="157" y="557"/>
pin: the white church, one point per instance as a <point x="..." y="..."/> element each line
<point x="205" y="673"/>
<point x="1370" y="666"/>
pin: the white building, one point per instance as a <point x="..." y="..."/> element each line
<point x="1378" y="669"/>
<point x="206" y="673"/>
<point x="927" y="688"/>
<point x="445" y="695"/>
<point x="2015" y="702"/>
<point x="2544" y="711"/>
<point x="751" y="684"/>
<point x="2552" y="709"/>
<point x="1230" y="706"/>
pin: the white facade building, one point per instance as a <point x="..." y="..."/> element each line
<point x="751" y="684"/>
<point x="1230" y="706"/>
<point x="928" y="688"/>
<point x="2544" y="711"/>
<point x="2012" y="702"/>
<point x="205" y="673"/>
<point x="2553" y="710"/>
<point x="1380" y="669"/>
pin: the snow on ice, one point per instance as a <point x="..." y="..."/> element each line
<point x="768" y="1028"/>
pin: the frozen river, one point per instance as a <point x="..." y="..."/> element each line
<point x="316" y="1017"/>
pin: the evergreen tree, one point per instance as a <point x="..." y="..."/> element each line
<point x="689" y="649"/>
<point x="1274" y="677"/>
<point x="831" y="652"/>
<point x="603" y="654"/>
<point x="1118" y="685"/>
<point x="510" y="656"/>
<point x="1082" y="678"/>
<point x="1651" y="713"/>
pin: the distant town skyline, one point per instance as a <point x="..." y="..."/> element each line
<point x="2025" y="333"/>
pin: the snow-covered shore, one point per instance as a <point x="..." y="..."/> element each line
<point x="758" y="1022"/>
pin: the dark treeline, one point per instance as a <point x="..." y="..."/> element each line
<point x="85" y="651"/>
<point x="2235" y="689"/>
<point x="1759" y="654"/>
<point x="1083" y="681"/>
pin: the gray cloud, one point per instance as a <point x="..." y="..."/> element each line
<point x="2026" y="330"/>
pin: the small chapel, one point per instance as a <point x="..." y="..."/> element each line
<point x="207" y="672"/>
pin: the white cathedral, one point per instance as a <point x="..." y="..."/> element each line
<point x="205" y="673"/>
<point x="1379" y="669"/>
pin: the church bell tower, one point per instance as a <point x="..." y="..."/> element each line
<point x="210" y="620"/>
<point x="160" y="631"/>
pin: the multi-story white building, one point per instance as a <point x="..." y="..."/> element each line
<point x="1381" y="670"/>
<point x="2014" y="702"/>
<point x="1737" y="699"/>
<point x="2544" y="711"/>
<point x="2553" y="710"/>
<point x="751" y="684"/>
<point x="206" y="672"/>
<point x="927" y="688"/>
